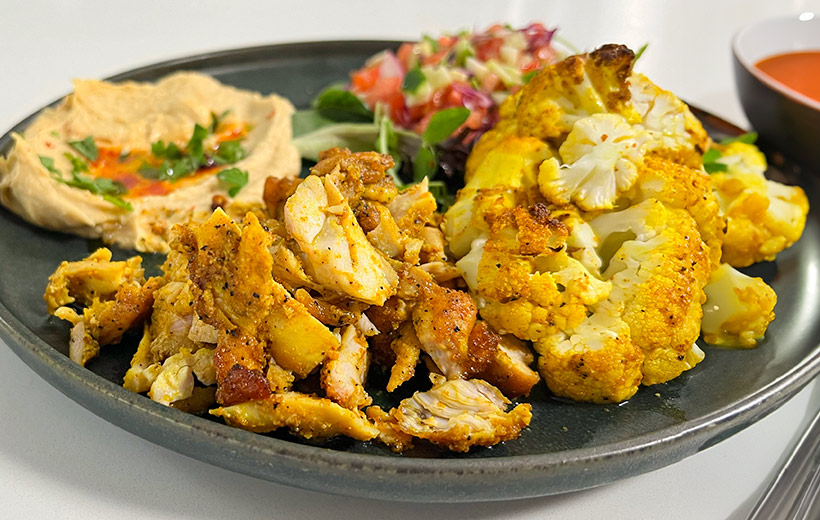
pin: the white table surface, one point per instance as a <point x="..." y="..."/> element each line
<point x="57" y="460"/>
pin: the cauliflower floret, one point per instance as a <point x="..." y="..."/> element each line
<point x="738" y="308"/>
<point x="658" y="275"/>
<point x="512" y="164"/>
<point x="531" y="297"/>
<point x="575" y="88"/>
<point x="684" y="187"/>
<point x="460" y="414"/>
<point x="594" y="362"/>
<point x="763" y="217"/>
<point x="740" y="157"/>
<point x="601" y="157"/>
<point x="672" y="130"/>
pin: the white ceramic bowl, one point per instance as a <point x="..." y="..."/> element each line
<point x="784" y="118"/>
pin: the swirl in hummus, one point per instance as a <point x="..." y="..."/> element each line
<point x="124" y="162"/>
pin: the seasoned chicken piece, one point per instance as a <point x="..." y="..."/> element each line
<point x="360" y="175"/>
<point x="175" y="381"/>
<point x="345" y="370"/>
<point x="94" y="277"/>
<point x="459" y="414"/>
<point x="308" y="416"/>
<point x="336" y="252"/>
<point x="509" y="370"/>
<point x="235" y="292"/>
<point x="407" y="350"/>
<point x="389" y="432"/>
<point x="443" y="319"/>
<point x="105" y="322"/>
<point x="413" y="207"/>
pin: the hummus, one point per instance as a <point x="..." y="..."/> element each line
<point x="124" y="120"/>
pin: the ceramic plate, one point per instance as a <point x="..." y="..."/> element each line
<point x="568" y="446"/>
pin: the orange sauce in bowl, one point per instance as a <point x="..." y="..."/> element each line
<point x="800" y="71"/>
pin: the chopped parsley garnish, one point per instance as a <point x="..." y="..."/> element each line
<point x="229" y="152"/>
<point x="747" y="138"/>
<point x="178" y="163"/>
<point x="234" y="179"/>
<point x="108" y="189"/>
<point x="87" y="147"/>
<point x="710" y="158"/>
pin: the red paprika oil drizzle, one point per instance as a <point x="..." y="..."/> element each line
<point x="112" y="164"/>
<point x="800" y="71"/>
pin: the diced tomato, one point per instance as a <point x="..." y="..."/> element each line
<point x="488" y="48"/>
<point x="363" y="79"/>
<point x="406" y="54"/>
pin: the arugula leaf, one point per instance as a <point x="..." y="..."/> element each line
<point x="425" y="163"/>
<point x="234" y="179"/>
<point x="443" y="123"/>
<point x="307" y="121"/>
<point x="229" y="152"/>
<point x="87" y="147"/>
<point x="48" y="162"/>
<point x="747" y="138"/>
<point x="342" y="106"/>
<point x="413" y="80"/>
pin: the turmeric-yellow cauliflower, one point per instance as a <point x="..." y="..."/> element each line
<point x="763" y="217"/>
<point x="616" y="300"/>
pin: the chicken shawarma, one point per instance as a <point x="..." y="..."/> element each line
<point x="588" y="247"/>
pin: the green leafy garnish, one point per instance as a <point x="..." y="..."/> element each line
<point x="180" y="162"/>
<point x="194" y="146"/>
<point x="108" y="189"/>
<point x="341" y="105"/>
<point x="443" y="123"/>
<point x="234" y="179"/>
<point x="710" y="158"/>
<point x="528" y="76"/>
<point x="413" y="80"/>
<point x="48" y="162"/>
<point x="87" y="147"/>
<point x="425" y="163"/>
<point x="432" y="42"/>
<point x="55" y="134"/>
<point x="444" y="198"/>
<point x="78" y="164"/>
<point x="747" y="138"/>
<point x="710" y="161"/>
<point x="640" y="52"/>
<point x="229" y="152"/>
<point x="216" y="120"/>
